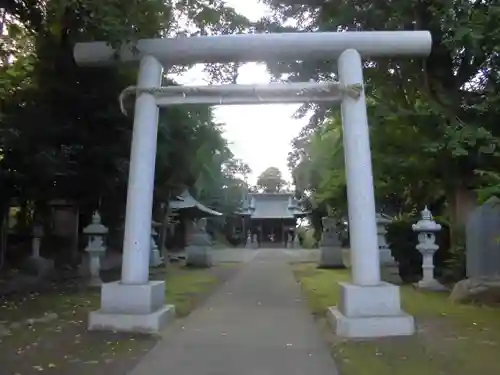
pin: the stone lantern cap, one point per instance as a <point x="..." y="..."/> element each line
<point x="426" y="224"/>
<point x="95" y="228"/>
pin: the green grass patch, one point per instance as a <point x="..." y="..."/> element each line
<point x="64" y="345"/>
<point x="185" y="287"/>
<point x="452" y="339"/>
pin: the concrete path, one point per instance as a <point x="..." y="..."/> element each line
<point x="256" y="324"/>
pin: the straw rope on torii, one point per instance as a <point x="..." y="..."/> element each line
<point x="247" y="94"/>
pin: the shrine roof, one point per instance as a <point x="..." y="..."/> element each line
<point x="271" y="206"/>
<point x="185" y="201"/>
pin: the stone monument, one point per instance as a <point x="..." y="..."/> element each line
<point x="330" y="245"/>
<point x="198" y="250"/>
<point x="426" y="229"/>
<point x="95" y="249"/>
<point x="482" y="254"/>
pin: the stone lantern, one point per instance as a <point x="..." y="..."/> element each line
<point x="426" y="229"/>
<point x="37" y="240"/>
<point x="155" y="258"/>
<point x="248" y="243"/>
<point x="36" y="265"/>
<point x="96" y="233"/>
<point x="384" y="249"/>
<point x="296" y="240"/>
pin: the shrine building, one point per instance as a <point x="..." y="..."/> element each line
<point x="272" y="216"/>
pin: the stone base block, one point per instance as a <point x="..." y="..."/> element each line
<point x="390" y="273"/>
<point x="132" y="308"/>
<point x="199" y="256"/>
<point x="331" y="257"/>
<point x="432" y="285"/>
<point x="370" y="311"/>
<point x="371" y="326"/>
<point x="155" y="259"/>
<point x="137" y="323"/>
<point x="118" y="298"/>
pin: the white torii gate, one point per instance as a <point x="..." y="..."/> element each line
<point x="368" y="306"/>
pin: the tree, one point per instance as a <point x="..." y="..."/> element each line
<point x="271" y="180"/>
<point x="61" y="131"/>
<point x="431" y="121"/>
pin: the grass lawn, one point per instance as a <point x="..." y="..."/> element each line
<point x="64" y="346"/>
<point x="452" y="339"/>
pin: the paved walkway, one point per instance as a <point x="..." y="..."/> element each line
<point x="256" y="324"/>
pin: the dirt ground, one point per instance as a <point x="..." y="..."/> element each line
<point x="46" y="333"/>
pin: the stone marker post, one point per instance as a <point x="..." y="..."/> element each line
<point x="426" y="229"/>
<point x="95" y="249"/>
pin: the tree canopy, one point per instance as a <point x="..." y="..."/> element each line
<point x="433" y="128"/>
<point x="271" y="180"/>
<point x="62" y="134"/>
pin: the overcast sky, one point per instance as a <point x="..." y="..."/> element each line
<point x="260" y="135"/>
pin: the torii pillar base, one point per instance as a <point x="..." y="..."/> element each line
<point x="132" y="308"/>
<point x="370" y="312"/>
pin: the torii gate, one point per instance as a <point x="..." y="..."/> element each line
<point x="368" y="306"/>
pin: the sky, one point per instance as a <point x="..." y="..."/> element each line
<point x="260" y="135"/>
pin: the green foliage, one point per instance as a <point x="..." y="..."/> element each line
<point x="490" y="186"/>
<point x="61" y="131"/>
<point x="432" y="122"/>
<point x="271" y="180"/>
<point x="307" y="238"/>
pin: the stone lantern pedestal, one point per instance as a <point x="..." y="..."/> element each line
<point x="95" y="249"/>
<point x="384" y="249"/>
<point x="248" y="243"/>
<point x="36" y="265"/>
<point x="426" y="229"/>
<point x="155" y="259"/>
